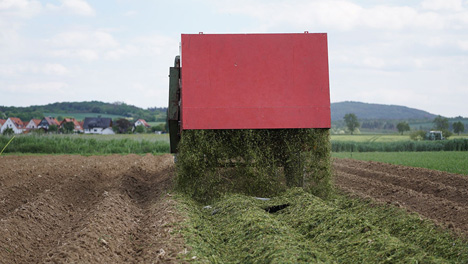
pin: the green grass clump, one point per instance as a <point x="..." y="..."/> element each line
<point x="238" y="229"/>
<point x="254" y="162"/>
<point x="449" y="161"/>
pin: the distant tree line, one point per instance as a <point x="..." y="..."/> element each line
<point x="155" y="114"/>
<point x="439" y="123"/>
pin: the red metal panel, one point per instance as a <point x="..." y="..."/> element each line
<point x="253" y="81"/>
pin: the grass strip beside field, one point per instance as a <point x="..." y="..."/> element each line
<point x="238" y="229"/>
<point x="449" y="161"/>
<point x="31" y="144"/>
<point x="400" y="146"/>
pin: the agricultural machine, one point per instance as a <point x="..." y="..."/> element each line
<point x="434" y="135"/>
<point x="258" y="87"/>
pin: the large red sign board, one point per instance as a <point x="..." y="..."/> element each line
<point x="255" y="81"/>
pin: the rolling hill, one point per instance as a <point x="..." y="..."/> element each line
<point x="377" y="111"/>
<point x="82" y="109"/>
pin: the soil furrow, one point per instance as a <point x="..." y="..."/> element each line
<point x="442" y="211"/>
<point x="449" y="179"/>
<point x="89" y="211"/>
<point x="417" y="184"/>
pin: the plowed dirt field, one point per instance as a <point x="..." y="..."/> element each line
<point x="75" y="209"/>
<point x="440" y="196"/>
<point x="116" y="209"/>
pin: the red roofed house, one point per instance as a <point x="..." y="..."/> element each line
<point x="141" y="122"/>
<point x="78" y="126"/>
<point x="2" y="121"/>
<point x="14" y="123"/>
<point x="33" y="124"/>
<point x="48" y="121"/>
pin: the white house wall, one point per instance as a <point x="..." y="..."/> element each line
<point x="31" y="125"/>
<point x="10" y="124"/>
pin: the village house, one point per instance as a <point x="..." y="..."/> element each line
<point x="98" y="125"/>
<point x="46" y="122"/>
<point x="2" y="121"/>
<point x="15" y="124"/>
<point x="142" y="122"/>
<point x="77" y="126"/>
<point x="33" y="124"/>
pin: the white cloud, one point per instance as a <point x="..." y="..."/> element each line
<point x="78" y="7"/>
<point x="29" y="68"/>
<point x="119" y="53"/>
<point x="130" y="13"/>
<point x="342" y="14"/>
<point x="86" y="45"/>
<point x="19" y="8"/>
<point x="82" y="54"/>
<point x="154" y="45"/>
<point x="55" y="69"/>
<point x="38" y="87"/>
<point x="84" y="38"/>
<point x="463" y="44"/>
<point x="453" y="5"/>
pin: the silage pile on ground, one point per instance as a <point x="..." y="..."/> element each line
<point x="220" y="171"/>
<point x="308" y="229"/>
<point x="259" y="162"/>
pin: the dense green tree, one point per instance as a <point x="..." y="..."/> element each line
<point x="96" y="109"/>
<point x="68" y="127"/>
<point x="53" y="129"/>
<point x="8" y="131"/>
<point x="446" y="133"/>
<point x="418" y="135"/>
<point x="351" y="122"/>
<point x="458" y="127"/>
<point x="140" y="129"/>
<point x="123" y="125"/>
<point x="402" y="127"/>
<point x="441" y="123"/>
<point x="158" y="127"/>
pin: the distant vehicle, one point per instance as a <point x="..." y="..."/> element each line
<point x="434" y="135"/>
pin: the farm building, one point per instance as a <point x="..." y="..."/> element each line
<point x="141" y="122"/>
<point x="98" y="125"/>
<point x="14" y="123"/>
<point x="78" y="127"/>
<point x="46" y="122"/>
<point x="33" y="124"/>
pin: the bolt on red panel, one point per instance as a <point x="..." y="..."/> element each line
<point x="255" y="81"/>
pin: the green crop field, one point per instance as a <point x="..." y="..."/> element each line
<point x="371" y="138"/>
<point x="86" y="144"/>
<point x="449" y="161"/>
<point x="155" y="123"/>
<point x="136" y="137"/>
<point x="382" y="137"/>
<point x="307" y="229"/>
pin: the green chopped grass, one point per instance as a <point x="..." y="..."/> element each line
<point x="238" y="229"/>
<point x="257" y="162"/>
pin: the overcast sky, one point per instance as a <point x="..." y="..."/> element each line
<point x="411" y="53"/>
